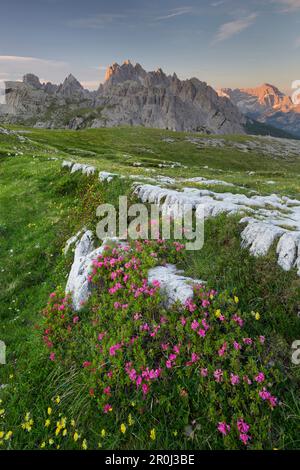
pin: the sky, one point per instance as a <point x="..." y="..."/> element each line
<point x="227" y="43"/>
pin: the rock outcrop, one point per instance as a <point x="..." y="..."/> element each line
<point x="175" y="286"/>
<point x="129" y="96"/>
<point x="268" y="219"/>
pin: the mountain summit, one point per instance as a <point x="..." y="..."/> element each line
<point x="267" y="104"/>
<point x="129" y="96"/>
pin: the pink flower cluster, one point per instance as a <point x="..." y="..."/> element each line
<point x="113" y="349"/>
<point x="242" y="427"/>
<point x="267" y="396"/>
<point x="144" y="378"/>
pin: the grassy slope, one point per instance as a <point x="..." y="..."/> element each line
<point x="116" y="150"/>
<point x="41" y="207"/>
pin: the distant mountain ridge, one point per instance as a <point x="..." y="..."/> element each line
<point x="266" y="104"/>
<point x="129" y="96"/>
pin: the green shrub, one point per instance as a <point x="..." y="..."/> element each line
<point x="193" y="366"/>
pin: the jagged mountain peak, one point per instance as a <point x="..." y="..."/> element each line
<point x="267" y="104"/>
<point x="70" y="79"/>
<point x="129" y="96"/>
<point x="116" y="73"/>
<point x="70" y="87"/>
<point x="32" y="80"/>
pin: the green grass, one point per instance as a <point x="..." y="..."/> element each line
<point x="41" y="206"/>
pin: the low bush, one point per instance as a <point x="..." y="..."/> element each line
<point x="191" y="367"/>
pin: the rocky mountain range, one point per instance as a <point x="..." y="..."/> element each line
<point x="266" y="104"/>
<point x="129" y="96"/>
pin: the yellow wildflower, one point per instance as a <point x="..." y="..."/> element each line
<point x="64" y="432"/>
<point x="47" y="423"/>
<point x="123" y="428"/>
<point x="57" y="399"/>
<point x="103" y="433"/>
<point x="152" y="434"/>
<point x="73" y="422"/>
<point x="2" y="412"/>
<point x="257" y="316"/>
<point x="175" y="433"/>
<point x="236" y="299"/>
<point x="49" y="410"/>
<point x="28" y="423"/>
<point x="84" y="444"/>
<point x="8" y="435"/>
<point x="51" y="441"/>
<point x="11" y="376"/>
<point x="130" y="420"/>
<point x="218" y="313"/>
<point x="76" y="436"/>
<point x="43" y="445"/>
<point x="58" y="446"/>
<point x="1" y="434"/>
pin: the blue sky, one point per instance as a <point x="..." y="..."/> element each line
<point x="232" y="43"/>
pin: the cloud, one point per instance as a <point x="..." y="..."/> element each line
<point x="288" y="5"/>
<point x="97" y="21"/>
<point x="218" y="3"/>
<point x="227" y="30"/>
<point x="14" y="67"/>
<point x="99" y="67"/>
<point x="297" y="42"/>
<point x="90" y="84"/>
<point x="176" y="12"/>
<point x="15" y="59"/>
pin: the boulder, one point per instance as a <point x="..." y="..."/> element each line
<point x="175" y="286"/>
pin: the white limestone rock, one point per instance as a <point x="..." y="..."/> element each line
<point x="74" y="167"/>
<point x="173" y="284"/>
<point x="106" y="176"/>
<point x="267" y="217"/>
<point x="72" y="240"/>
<point x="287" y="250"/>
<point x="67" y="164"/>
<point x="77" y="284"/>
<point x="88" y="170"/>
<point x="85" y="252"/>
<point x="85" y="169"/>
<point x="297" y="263"/>
<point x="259" y="237"/>
<point x="202" y="180"/>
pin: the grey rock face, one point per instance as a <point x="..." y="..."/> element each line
<point x="77" y="284"/>
<point x="129" y="96"/>
<point x="85" y="252"/>
<point x="175" y="286"/>
<point x="82" y="167"/>
<point x="132" y="96"/>
<point x="266" y="104"/>
<point x="32" y="80"/>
